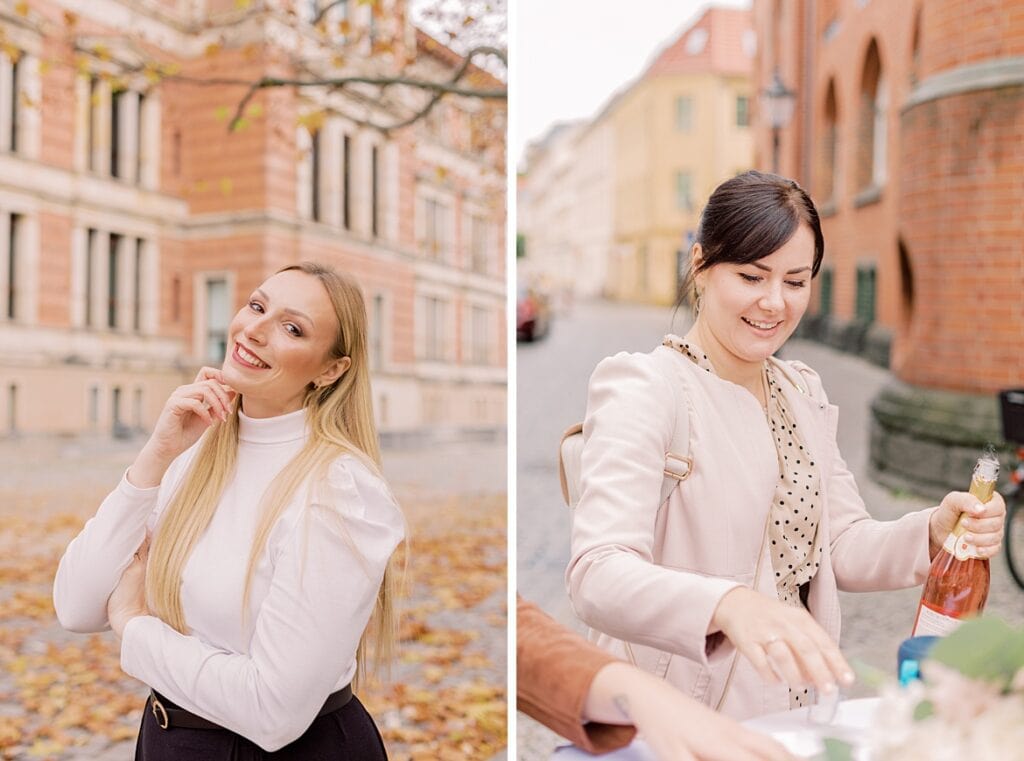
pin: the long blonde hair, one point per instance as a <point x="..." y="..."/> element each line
<point x="340" y="419"/>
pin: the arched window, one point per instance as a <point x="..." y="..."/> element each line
<point x="829" y="189"/>
<point x="906" y="286"/>
<point x="874" y="103"/>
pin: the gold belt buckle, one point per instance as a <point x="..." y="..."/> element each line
<point x="159" y="712"/>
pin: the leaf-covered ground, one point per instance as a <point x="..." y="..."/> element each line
<point x="63" y="696"/>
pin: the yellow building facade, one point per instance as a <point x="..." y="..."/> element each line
<point x="679" y="131"/>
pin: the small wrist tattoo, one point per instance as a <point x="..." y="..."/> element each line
<point x="622" y="703"/>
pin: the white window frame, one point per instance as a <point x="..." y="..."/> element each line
<point x="685" y="125"/>
<point x="446" y="251"/>
<point x="879" y="133"/>
<point x="200" y="349"/>
<point x="444" y="320"/>
<point x="379" y="331"/>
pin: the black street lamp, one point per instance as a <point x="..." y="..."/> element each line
<point x="778" y="102"/>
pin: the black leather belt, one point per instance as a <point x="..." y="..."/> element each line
<point x="169" y="716"/>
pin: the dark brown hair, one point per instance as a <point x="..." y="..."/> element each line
<point x="749" y="217"/>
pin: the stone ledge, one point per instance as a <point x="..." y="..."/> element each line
<point x="927" y="440"/>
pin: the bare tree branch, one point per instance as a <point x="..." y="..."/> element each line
<point x="439" y="89"/>
<point x="323" y="11"/>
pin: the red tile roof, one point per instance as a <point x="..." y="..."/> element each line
<point x="728" y="46"/>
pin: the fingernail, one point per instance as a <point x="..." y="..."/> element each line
<point x="848" y="678"/>
<point x="829" y="688"/>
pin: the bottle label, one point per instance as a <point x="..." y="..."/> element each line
<point x="931" y="621"/>
<point x="958" y="548"/>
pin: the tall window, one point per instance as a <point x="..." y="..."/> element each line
<point x="830" y="146"/>
<point x="684" y="113"/>
<point x="12" y="408"/>
<point x="218" y="315"/>
<point x="376" y="332"/>
<point x="137" y="286"/>
<point x="434" y="312"/>
<point x="15" y="98"/>
<point x="140" y="136"/>
<point x="375" y="191"/>
<point x="314" y="157"/>
<point x="92" y="121"/>
<point x="94" y="405"/>
<point x="871" y="143"/>
<point x="341" y="18"/>
<point x="112" y="286"/>
<point x="115" y="133"/>
<point x="115" y="410"/>
<point x="684" y="191"/>
<point x="176" y="298"/>
<point x="13" y="270"/>
<point x="435" y="229"/>
<point x="480" y="337"/>
<point x="742" y="111"/>
<point x="137" y="408"/>
<point x="866" y="276"/>
<point x="90" y="245"/>
<point x="346" y="182"/>
<point x="478" y="243"/>
<point x="825" y="296"/>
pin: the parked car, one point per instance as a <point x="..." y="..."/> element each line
<point x="533" y="314"/>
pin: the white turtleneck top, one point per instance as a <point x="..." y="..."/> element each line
<point x="264" y="675"/>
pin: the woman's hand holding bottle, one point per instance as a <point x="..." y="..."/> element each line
<point x="188" y="412"/>
<point x="984" y="523"/>
<point x="782" y="641"/>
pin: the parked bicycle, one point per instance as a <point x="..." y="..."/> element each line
<point x="1012" y="408"/>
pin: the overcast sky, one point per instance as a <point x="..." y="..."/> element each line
<point x="569" y="56"/>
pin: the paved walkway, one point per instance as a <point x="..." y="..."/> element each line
<point x="454" y="642"/>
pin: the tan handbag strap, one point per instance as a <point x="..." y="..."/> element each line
<point x="572" y="430"/>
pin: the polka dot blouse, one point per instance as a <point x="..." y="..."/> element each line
<point x="793" y="537"/>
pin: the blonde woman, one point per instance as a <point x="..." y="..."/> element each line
<point x="272" y="532"/>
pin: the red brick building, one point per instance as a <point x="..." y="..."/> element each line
<point x="134" y="224"/>
<point x="907" y="132"/>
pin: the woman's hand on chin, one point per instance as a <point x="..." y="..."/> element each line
<point x="783" y="642"/>
<point x="128" y="599"/>
<point x="188" y="412"/>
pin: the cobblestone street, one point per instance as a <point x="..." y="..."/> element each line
<point x="552" y="381"/>
<point x="446" y="699"/>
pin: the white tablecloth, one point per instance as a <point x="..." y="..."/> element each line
<point x="790" y="728"/>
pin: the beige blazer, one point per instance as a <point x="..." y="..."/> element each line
<point x="653" y="575"/>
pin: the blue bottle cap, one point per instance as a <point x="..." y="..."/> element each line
<point x="912" y="651"/>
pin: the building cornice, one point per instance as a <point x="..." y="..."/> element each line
<point x="43" y="346"/>
<point x="988" y="75"/>
<point x="63" y="189"/>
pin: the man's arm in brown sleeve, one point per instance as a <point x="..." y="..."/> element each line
<point x="554" y="670"/>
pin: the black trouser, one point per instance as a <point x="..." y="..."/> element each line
<point x="348" y="734"/>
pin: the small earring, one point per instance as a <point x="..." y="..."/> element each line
<point x="699" y="300"/>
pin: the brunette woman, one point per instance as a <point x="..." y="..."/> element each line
<point x="730" y="590"/>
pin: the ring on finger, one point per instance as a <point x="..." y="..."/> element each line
<point x="771" y="639"/>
